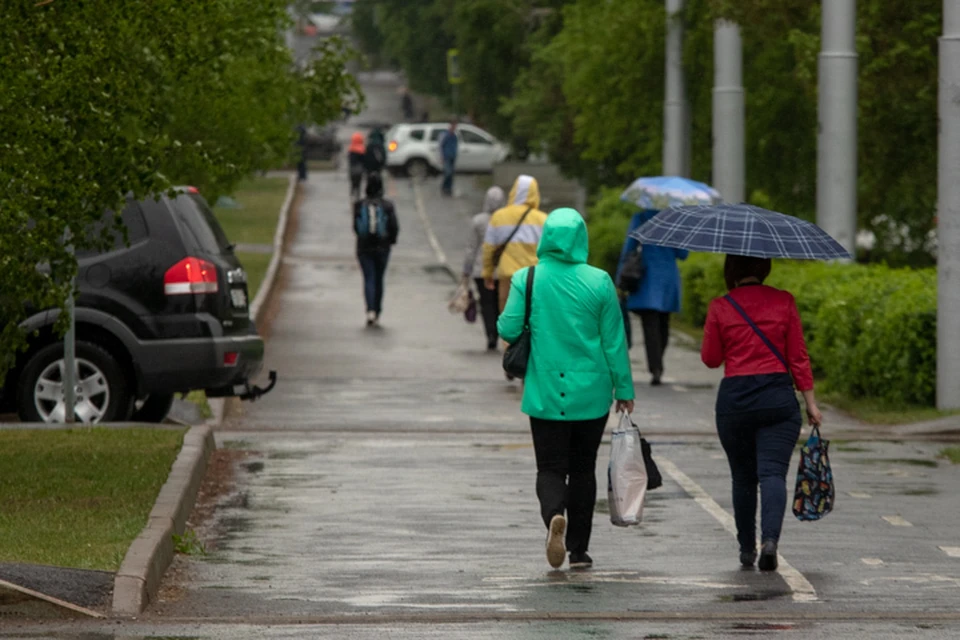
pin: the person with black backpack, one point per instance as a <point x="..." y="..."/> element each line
<point x="375" y="224"/>
<point x="376" y="152"/>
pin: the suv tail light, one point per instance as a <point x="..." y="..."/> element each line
<point x="190" y="275"/>
<point x="392" y="146"/>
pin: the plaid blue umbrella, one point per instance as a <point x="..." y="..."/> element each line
<point x="669" y="191"/>
<point x="739" y="229"/>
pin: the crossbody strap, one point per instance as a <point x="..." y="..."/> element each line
<point x="756" y="330"/>
<point x="529" y="298"/>
<point x="517" y="227"/>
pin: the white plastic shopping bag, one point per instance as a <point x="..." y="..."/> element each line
<point x="626" y="475"/>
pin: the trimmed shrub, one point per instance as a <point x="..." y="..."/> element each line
<point x="870" y="330"/>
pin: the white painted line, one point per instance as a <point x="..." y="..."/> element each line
<point x="953" y="552"/>
<point x="863" y="495"/>
<point x="802" y="590"/>
<point x="431" y="236"/>
<point x="871" y="562"/>
<point x="897" y="521"/>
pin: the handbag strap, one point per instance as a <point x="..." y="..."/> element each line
<point x="756" y="330"/>
<point x="529" y="298"/>
<point x="517" y="227"/>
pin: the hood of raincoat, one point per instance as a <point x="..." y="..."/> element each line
<point x="356" y="143"/>
<point x="493" y="200"/>
<point x="564" y="237"/>
<point x="525" y="191"/>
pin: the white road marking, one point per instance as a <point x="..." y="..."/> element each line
<point x="802" y="590"/>
<point x="897" y="521"/>
<point x="863" y="495"/>
<point x="431" y="236"/>
<point x="953" y="552"/>
<point x="871" y="562"/>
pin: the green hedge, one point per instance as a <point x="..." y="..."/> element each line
<point x="871" y="330"/>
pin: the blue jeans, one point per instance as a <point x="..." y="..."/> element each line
<point x="449" y="166"/>
<point x="373" y="264"/>
<point x="758" y="420"/>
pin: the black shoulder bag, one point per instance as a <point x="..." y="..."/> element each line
<point x="500" y="248"/>
<point x="632" y="272"/>
<point x="517" y="355"/>
<point x="756" y="330"/>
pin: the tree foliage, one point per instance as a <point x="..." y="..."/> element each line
<point x="105" y="100"/>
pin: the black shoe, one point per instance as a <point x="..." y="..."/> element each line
<point x="580" y="560"/>
<point x="768" y="556"/>
<point x="655" y="380"/>
<point x="747" y="558"/>
<point x="492" y="346"/>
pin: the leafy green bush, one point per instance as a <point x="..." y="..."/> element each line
<point x="608" y="219"/>
<point x="870" y="330"/>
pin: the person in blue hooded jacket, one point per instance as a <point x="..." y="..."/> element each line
<point x="657" y="296"/>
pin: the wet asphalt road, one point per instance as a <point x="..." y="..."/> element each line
<point x="389" y="492"/>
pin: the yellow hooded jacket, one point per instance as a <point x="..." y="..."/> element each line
<point x="521" y="251"/>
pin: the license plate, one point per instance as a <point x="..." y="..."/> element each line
<point x="238" y="297"/>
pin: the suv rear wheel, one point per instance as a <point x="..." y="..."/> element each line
<point x="101" y="393"/>
<point x="417" y="168"/>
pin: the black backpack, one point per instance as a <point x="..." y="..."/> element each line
<point x="632" y="272"/>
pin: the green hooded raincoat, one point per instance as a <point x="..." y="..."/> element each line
<point x="578" y="361"/>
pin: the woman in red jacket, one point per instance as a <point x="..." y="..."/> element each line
<point x="758" y="416"/>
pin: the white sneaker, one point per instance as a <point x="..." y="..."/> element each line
<point x="556" y="547"/>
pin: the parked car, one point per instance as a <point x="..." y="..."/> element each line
<point x="414" y="149"/>
<point x="164" y="314"/>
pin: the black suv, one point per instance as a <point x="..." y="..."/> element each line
<point x="166" y="313"/>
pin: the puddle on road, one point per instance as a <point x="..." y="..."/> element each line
<point x="253" y="467"/>
<point x="918" y="491"/>
<point x="758" y="596"/>
<point x="913" y="462"/>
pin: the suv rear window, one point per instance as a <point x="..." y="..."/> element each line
<point x="131" y="217"/>
<point x="200" y="226"/>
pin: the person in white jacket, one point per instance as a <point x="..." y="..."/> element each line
<point x="473" y="264"/>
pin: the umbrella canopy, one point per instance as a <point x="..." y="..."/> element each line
<point x="739" y="229"/>
<point x="669" y="191"/>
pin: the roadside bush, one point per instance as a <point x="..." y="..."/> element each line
<point x="870" y="329"/>
<point x="608" y="219"/>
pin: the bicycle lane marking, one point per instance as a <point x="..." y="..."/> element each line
<point x="800" y="587"/>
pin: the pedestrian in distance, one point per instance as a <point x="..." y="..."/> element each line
<point x="376" y="152"/>
<point x="376" y="226"/>
<point x="657" y="296"/>
<point x="578" y="366"/>
<point x="473" y="264"/>
<point x="512" y="237"/>
<point x="406" y="105"/>
<point x="356" y="164"/>
<point x="302" y="140"/>
<point x="755" y="332"/>
<point x="449" y="144"/>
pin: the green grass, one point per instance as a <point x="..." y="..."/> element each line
<point x="873" y="411"/>
<point x="199" y="398"/>
<point x="952" y="454"/>
<point x="255" y="264"/>
<point x="78" y="498"/>
<point x="256" y="221"/>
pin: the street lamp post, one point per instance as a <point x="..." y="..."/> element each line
<point x="676" y="124"/>
<point x="948" y="212"/>
<point x="728" y="118"/>
<point x="837" y="135"/>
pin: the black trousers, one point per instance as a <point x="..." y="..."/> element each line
<point x="656" y="333"/>
<point x="567" y="474"/>
<point x="489" y="310"/>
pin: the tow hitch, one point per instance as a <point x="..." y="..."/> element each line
<point x="254" y="392"/>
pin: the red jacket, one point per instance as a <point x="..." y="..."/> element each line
<point x="728" y="339"/>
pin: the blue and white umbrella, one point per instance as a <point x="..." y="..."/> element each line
<point x="739" y="229"/>
<point x="669" y="191"/>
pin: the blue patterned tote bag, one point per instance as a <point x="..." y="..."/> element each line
<point x="814" y="495"/>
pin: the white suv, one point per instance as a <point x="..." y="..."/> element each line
<point x="415" y="149"/>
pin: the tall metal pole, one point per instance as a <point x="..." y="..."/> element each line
<point x="68" y="377"/>
<point x="728" y="110"/>
<point x="676" y="122"/>
<point x="837" y="137"/>
<point x="948" y="213"/>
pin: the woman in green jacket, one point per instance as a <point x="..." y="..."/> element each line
<point x="578" y="366"/>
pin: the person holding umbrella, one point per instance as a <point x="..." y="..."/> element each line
<point x="754" y="332"/>
<point x="657" y="294"/>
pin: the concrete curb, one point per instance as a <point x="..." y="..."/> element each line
<point x="431" y="236"/>
<point x="148" y="557"/>
<point x="218" y="406"/>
